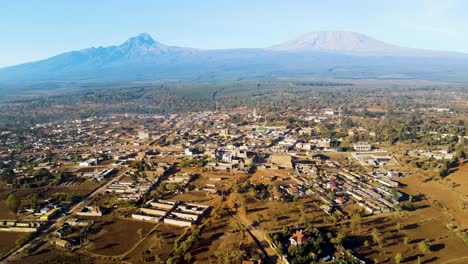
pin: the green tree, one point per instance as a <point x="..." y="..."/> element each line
<point x="398" y="226"/>
<point x="13" y="203"/>
<point x="188" y="257"/>
<point x="140" y="232"/>
<point x="419" y="260"/>
<point x="398" y="258"/>
<point x="34" y="201"/>
<point x="424" y="247"/>
<point x="406" y="240"/>
<point x="91" y="246"/>
<point x="355" y="220"/>
<point x="377" y="237"/>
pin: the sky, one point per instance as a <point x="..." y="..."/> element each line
<point x="34" y="30"/>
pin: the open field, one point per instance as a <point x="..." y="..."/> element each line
<point x="7" y="241"/>
<point x="47" y="192"/>
<point x="220" y="238"/>
<point x="77" y="190"/>
<point x="450" y="194"/>
<point x="160" y="244"/>
<point x="5" y="213"/>
<point x="435" y="207"/>
<point x="426" y="223"/>
<point x="273" y="215"/>
<point x="116" y="236"/>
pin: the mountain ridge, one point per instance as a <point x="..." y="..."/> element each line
<point x="317" y="54"/>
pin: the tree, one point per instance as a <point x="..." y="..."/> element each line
<point x="8" y="175"/>
<point x="398" y="258"/>
<point x="355" y="220"/>
<point x="159" y="239"/>
<point x="406" y="240"/>
<point x="144" y="254"/>
<point x="13" y="203"/>
<point x="419" y="260"/>
<point x="140" y="232"/>
<point x="259" y="217"/>
<point x="188" y="257"/>
<point x="92" y="246"/>
<point x="34" y="201"/>
<point x="70" y="197"/>
<point x="424" y="247"/>
<point x="398" y="226"/>
<point x="338" y="239"/>
<point x="377" y="237"/>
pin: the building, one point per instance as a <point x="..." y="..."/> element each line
<point x="362" y="146"/>
<point x="144" y="135"/>
<point x="298" y="238"/>
<point x="224" y="132"/>
<point x="51" y="213"/>
<point x="90" y="211"/>
<point x="62" y="243"/>
<point x="89" y="162"/>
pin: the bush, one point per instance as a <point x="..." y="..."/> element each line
<point x="424" y="247"/>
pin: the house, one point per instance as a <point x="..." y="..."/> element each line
<point x="224" y="132"/>
<point x="62" y="243"/>
<point x="298" y="238"/>
<point x="90" y="211"/>
<point x="362" y="146"/>
<point x="88" y="163"/>
<point x="340" y="200"/>
<point x="144" y="135"/>
<point x="51" y="213"/>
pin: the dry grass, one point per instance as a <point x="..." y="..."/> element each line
<point x="8" y="241"/>
<point x="116" y="236"/>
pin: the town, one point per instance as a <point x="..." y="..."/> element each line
<point x="156" y="188"/>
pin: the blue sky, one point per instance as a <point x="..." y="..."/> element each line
<point x="33" y="30"/>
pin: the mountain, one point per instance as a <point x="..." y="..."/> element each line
<point x="351" y="43"/>
<point x="339" y="41"/>
<point x="336" y="54"/>
<point x="336" y="41"/>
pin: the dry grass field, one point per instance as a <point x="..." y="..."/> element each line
<point x="437" y="205"/>
<point x="7" y="241"/>
<point x="159" y="243"/>
<point x="116" y="236"/>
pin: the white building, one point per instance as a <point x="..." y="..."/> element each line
<point x="144" y="135"/>
<point x="362" y="146"/>
<point x="89" y="162"/>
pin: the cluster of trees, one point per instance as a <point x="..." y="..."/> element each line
<point x="180" y="253"/>
<point x="198" y="161"/>
<point x="454" y="162"/>
<point x="300" y="253"/>
<point x="40" y="178"/>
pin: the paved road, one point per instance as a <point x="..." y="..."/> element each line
<point x="49" y="227"/>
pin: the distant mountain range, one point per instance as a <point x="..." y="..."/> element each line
<point x="335" y="54"/>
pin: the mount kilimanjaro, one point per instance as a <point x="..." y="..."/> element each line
<point x="334" y="54"/>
